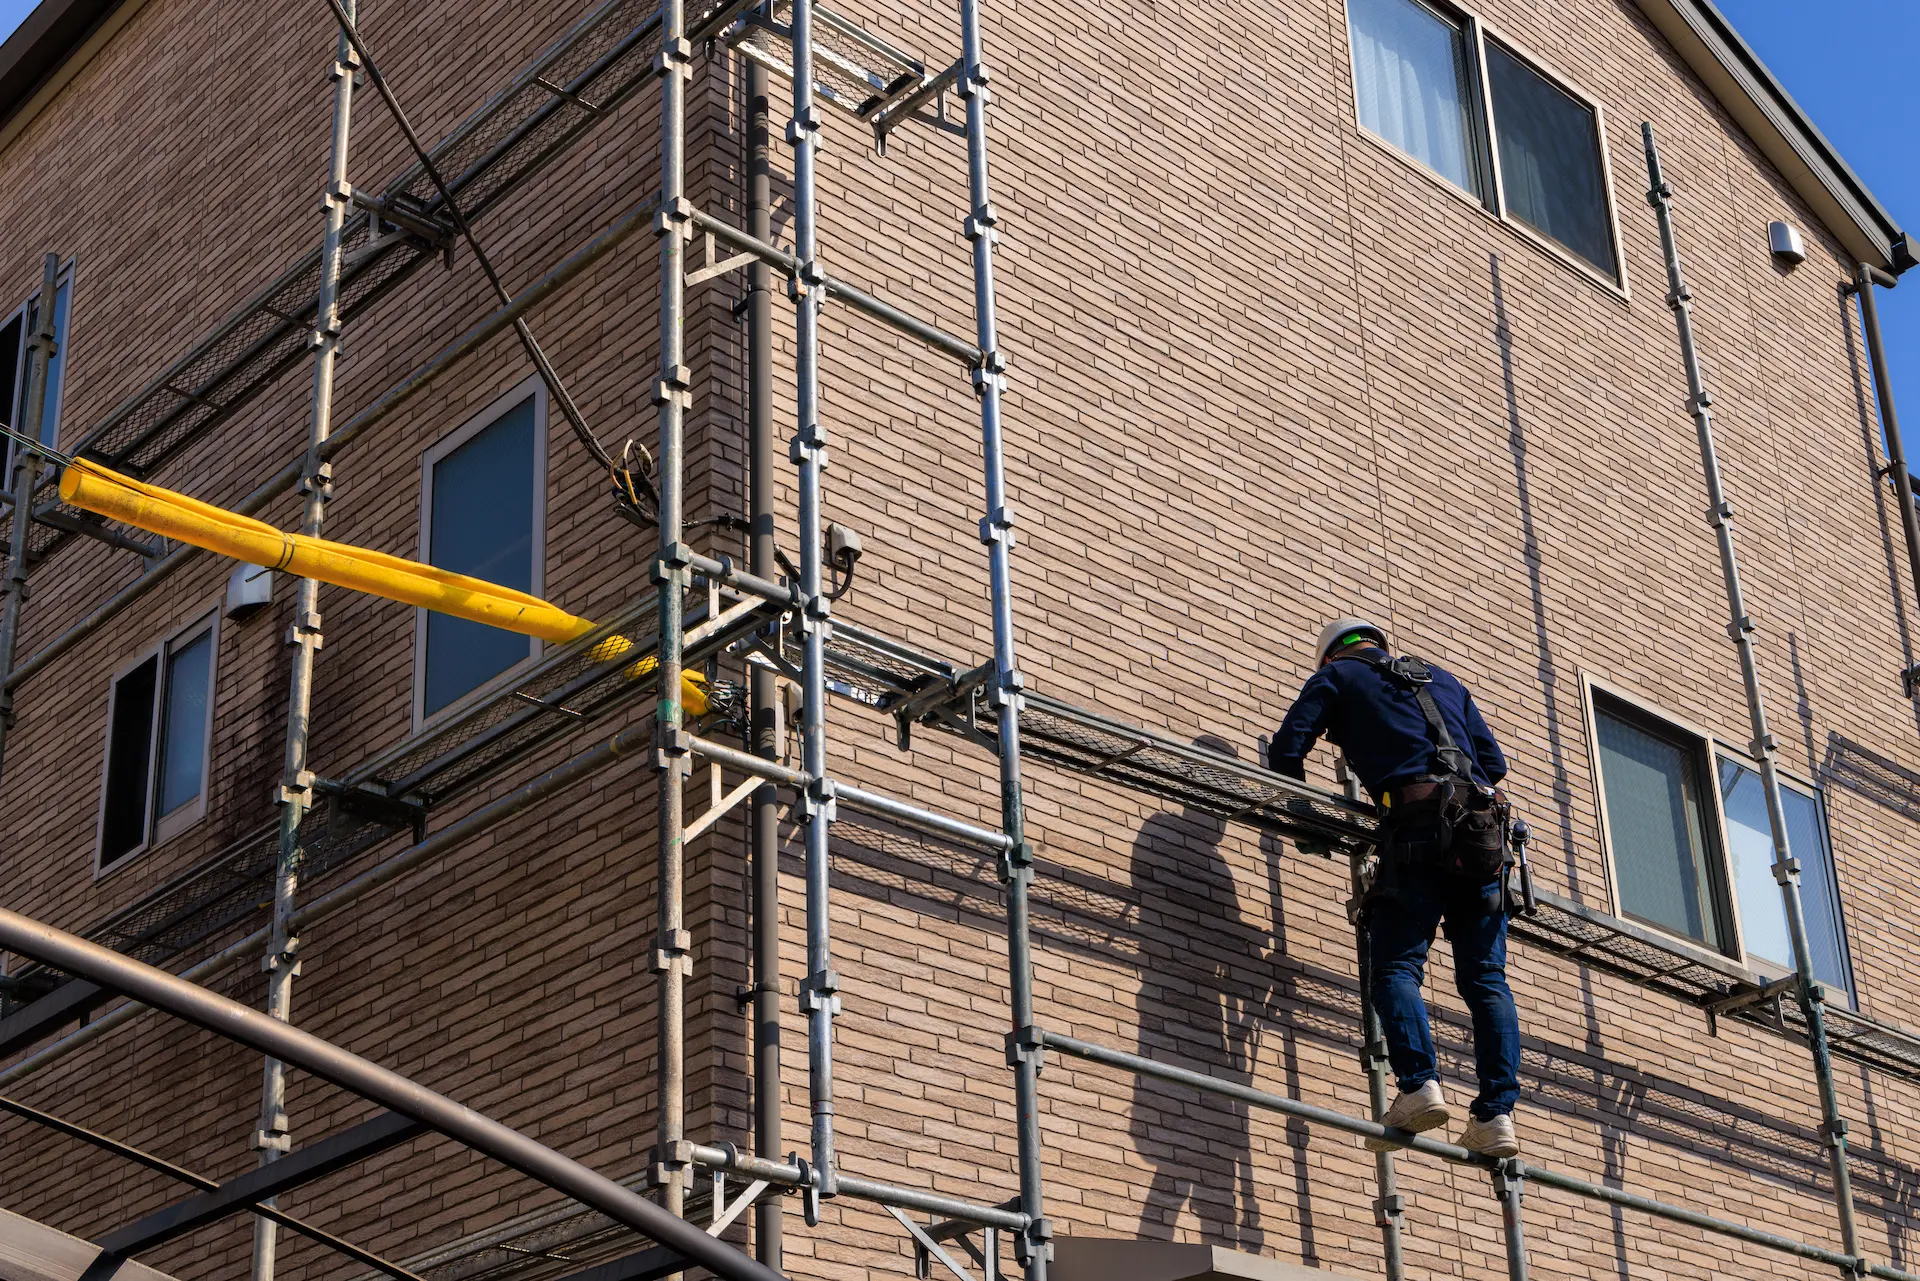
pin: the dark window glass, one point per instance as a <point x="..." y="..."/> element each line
<point x="9" y="388"/>
<point x="1658" y="820"/>
<point x="1415" y="88"/>
<point x="1550" y="171"/>
<point x="123" y="822"/>
<point x="481" y="524"/>
<point x="183" y="730"/>
<point x="1763" y="916"/>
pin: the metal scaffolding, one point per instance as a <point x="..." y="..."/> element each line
<point x="704" y="610"/>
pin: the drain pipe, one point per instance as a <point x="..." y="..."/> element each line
<point x="272" y="1137"/>
<point x="1862" y="284"/>
<point x="764" y="692"/>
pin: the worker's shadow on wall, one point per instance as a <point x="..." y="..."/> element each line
<point x="1196" y="1005"/>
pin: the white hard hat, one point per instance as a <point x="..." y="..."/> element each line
<point x="1339" y="629"/>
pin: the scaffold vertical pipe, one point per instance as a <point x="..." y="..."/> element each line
<point x="819" y="996"/>
<point x="1510" y="1187"/>
<point x="1863" y="284"/>
<point x="996" y="532"/>
<point x="1389" y="1211"/>
<point x="673" y="948"/>
<point x="272" y="1137"/>
<point x="764" y="692"/>
<point x="1740" y="629"/>
<point x="25" y="478"/>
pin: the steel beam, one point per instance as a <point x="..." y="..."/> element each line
<point x="73" y="999"/>
<point x="647" y="1265"/>
<point x="262" y="1184"/>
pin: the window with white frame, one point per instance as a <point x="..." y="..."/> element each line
<point x="482" y="513"/>
<point x="159" y="731"/>
<point x="14" y="335"/>
<point x="1763" y="913"/>
<point x="1431" y="82"/>
<point x="1662" y="825"/>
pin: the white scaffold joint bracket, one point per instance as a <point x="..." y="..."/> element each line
<point x="1016" y="863"/>
<point x="803" y="127"/>
<point x="1006" y="691"/>
<point x="672" y="750"/>
<point x="1740" y="629"/>
<point x="1701" y="402"/>
<point x="337" y="194"/>
<point x="1787" y="869"/>
<point x="975" y="79"/>
<point x="674" y="567"/>
<point x="317" y="480"/>
<point x="297" y="790"/>
<point x="817" y="801"/>
<point x="1721" y="513"/>
<point x="981" y="222"/>
<point x="673" y="953"/>
<point x="1763" y="745"/>
<point x="811" y="442"/>
<point x="820" y="992"/>
<point x="674" y="387"/>
<point x="285" y="959"/>
<point x="671" y="1163"/>
<point x="675" y="217"/>
<point x="273" y="1134"/>
<point x="675" y="57"/>
<point x="997" y="526"/>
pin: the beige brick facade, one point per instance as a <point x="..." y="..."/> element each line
<point x="1263" y="369"/>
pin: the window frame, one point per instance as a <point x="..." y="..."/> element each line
<point x="1486" y="137"/>
<point x="158" y="829"/>
<point x="1810" y="788"/>
<point x="476" y="423"/>
<point x="67" y="277"/>
<point x="1723" y="900"/>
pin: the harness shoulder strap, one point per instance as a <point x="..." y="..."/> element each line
<point x="1415" y="673"/>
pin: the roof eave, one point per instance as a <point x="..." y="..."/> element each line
<point x="1734" y="74"/>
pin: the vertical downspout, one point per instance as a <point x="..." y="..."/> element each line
<point x="1035" y="1246"/>
<point x="764" y="693"/>
<point x="25" y="479"/>
<point x="673" y="948"/>
<point x="819" y="995"/>
<point x="271" y="1138"/>
<point x="1786" y="868"/>
<point x="1862" y="284"/>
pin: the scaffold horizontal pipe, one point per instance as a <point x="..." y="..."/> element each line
<point x="859" y="299"/>
<point x="733" y="1161"/>
<point x="235" y="1022"/>
<point x="726" y="573"/>
<point x="636" y="219"/>
<point x="746" y="762"/>
<point x="624" y="744"/>
<point x="1094" y="1053"/>
<point x="858" y="798"/>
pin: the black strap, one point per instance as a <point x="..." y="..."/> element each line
<point x="1414" y="672"/>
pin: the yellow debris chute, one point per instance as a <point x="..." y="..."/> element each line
<point x="91" y="487"/>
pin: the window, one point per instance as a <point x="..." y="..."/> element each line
<point x="1763" y="916"/>
<point x="1551" y="175"/>
<point x="14" y="335"/>
<point x="159" y="725"/>
<point x="1429" y="81"/>
<point x="1661" y="825"/>
<point x="483" y="513"/>
<point x="1413" y="78"/>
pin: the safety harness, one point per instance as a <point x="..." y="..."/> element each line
<point x="1467" y="819"/>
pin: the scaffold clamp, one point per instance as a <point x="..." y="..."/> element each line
<point x="1024" y="1045"/>
<point x="820" y="993"/>
<point x="1388" y="1210"/>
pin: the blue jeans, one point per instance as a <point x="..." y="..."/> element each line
<point x="1400" y="928"/>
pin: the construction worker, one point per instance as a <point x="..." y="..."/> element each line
<point x="1400" y="723"/>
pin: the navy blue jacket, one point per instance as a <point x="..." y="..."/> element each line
<point x="1376" y="723"/>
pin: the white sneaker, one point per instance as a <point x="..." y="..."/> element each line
<point x="1493" y="1138"/>
<point x="1422" y="1109"/>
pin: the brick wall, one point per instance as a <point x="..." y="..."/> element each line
<point x="1264" y="369"/>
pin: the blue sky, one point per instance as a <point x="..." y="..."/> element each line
<point x="1848" y="64"/>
